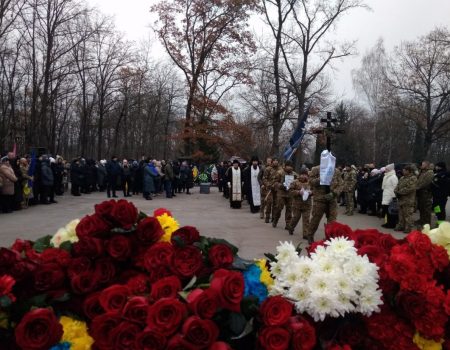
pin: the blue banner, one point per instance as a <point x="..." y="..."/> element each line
<point x="297" y="137"/>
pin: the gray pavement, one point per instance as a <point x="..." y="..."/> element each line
<point x="210" y="213"/>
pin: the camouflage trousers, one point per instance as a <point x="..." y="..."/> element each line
<point x="269" y="201"/>
<point x="300" y="210"/>
<point x="405" y="216"/>
<point x="425" y="205"/>
<point x="281" y="202"/>
<point x="327" y="207"/>
<point x="350" y="204"/>
<point x="264" y="201"/>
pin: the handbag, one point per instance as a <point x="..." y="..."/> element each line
<point x="393" y="207"/>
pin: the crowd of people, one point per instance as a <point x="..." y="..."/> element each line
<point x="28" y="180"/>
<point x="393" y="192"/>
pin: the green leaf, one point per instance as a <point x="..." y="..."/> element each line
<point x="67" y="245"/>
<point x="237" y="323"/>
<point x="183" y="294"/>
<point x="191" y="283"/>
<point x="5" y="301"/>
<point x="38" y="300"/>
<point x="241" y="264"/>
<point x="62" y="298"/>
<point x="270" y="257"/>
<point x="247" y="330"/>
<point x="142" y="216"/>
<point x="178" y="241"/>
<point x="42" y="244"/>
<point x="122" y="230"/>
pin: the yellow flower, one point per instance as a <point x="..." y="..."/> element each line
<point x="265" y="277"/>
<point x="169" y="225"/>
<point x="439" y="235"/>
<point x="65" y="234"/>
<point x="75" y="332"/>
<point x="426" y="344"/>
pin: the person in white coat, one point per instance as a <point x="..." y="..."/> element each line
<point x="390" y="182"/>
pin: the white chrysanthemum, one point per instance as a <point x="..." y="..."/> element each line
<point x="286" y="251"/>
<point x="344" y="305"/>
<point x="345" y="285"/>
<point x="319" y="253"/>
<point x="276" y="269"/>
<point x="369" y="300"/>
<point x="276" y="289"/>
<point x="299" y="293"/>
<point x="341" y="247"/>
<point x="321" y="284"/>
<point x="304" y="266"/>
<point x="322" y="305"/>
<point x="325" y="265"/>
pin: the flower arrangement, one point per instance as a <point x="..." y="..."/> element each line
<point x="119" y="279"/>
<point x="333" y="281"/>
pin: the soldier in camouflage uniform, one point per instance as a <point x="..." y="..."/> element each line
<point x="324" y="201"/>
<point x="300" y="208"/>
<point x="282" y="194"/>
<point x="268" y="182"/>
<point x="264" y="189"/>
<point x="349" y="188"/>
<point x="406" y="195"/>
<point x="424" y="195"/>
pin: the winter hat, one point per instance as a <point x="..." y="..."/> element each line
<point x="52" y="160"/>
<point x="390" y="167"/>
<point x="5" y="159"/>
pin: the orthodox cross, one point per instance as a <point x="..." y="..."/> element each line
<point x="329" y="130"/>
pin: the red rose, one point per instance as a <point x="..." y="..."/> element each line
<point x="303" y="334"/>
<point x="166" y="315"/>
<point x="275" y="311"/>
<point x="101" y="328"/>
<point x="336" y="229"/>
<point x="229" y="286"/>
<point x="150" y="339"/>
<point x="161" y="211"/>
<point x="6" y="285"/>
<point x="39" y="329"/>
<point x="221" y="256"/>
<point x="375" y="253"/>
<point x="203" y="303"/>
<point x="149" y="231"/>
<point x="166" y="287"/>
<point x="366" y="237"/>
<point x="88" y="246"/>
<point x="124" y="335"/>
<point x="48" y="276"/>
<point x="84" y="283"/>
<point x="105" y="210"/>
<point x="420" y="242"/>
<point x="57" y="256"/>
<point x="8" y="258"/>
<point x="186" y="234"/>
<point x="114" y="298"/>
<point x="439" y="257"/>
<point x="92" y="307"/>
<point x="136" y="310"/>
<point x="79" y="265"/>
<point x="158" y="272"/>
<point x="387" y="242"/>
<point x="119" y="247"/>
<point x="274" y="338"/>
<point x="92" y="225"/>
<point x="105" y="270"/>
<point x="20" y="245"/>
<point x="177" y="342"/>
<point x="125" y="214"/>
<point x="201" y="333"/>
<point x="139" y="284"/>
<point x="220" y="345"/>
<point x="159" y="254"/>
<point x="447" y="303"/>
<point x="187" y="261"/>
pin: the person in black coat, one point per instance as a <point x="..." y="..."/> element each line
<point x="113" y="171"/>
<point x="76" y="175"/>
<point x="48" y="181"/>
<point x="58" y="174"/>
<point x="440" y="187"/>
<point x="363" y="193"/>
<point x="252" y="185"/>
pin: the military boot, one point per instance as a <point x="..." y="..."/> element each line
<point x="267" y="220"/>
<point x="274" y="223"/>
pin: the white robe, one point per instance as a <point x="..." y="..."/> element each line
<point x="236" y="190"/>
<point x="256" y="189"/>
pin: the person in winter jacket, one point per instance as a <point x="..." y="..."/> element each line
<point x="390" y="181"/>
<point x="7" y="181"/>
<point x="101" y="175"/>
<point x="406" y="194"/>
<point x="113" y="171"/>
<point x="150" y="174"/>
<point x="126" y="178"/>
<point x="440" y="187"/>
<point x="424" y="194"/>
<point x="48" y="181"/>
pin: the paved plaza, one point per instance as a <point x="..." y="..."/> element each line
<point x="210" y="213"/>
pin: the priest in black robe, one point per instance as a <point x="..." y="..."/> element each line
<point x="252" y="185"/>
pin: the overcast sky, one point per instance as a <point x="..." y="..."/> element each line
<point x="393" y="20"/>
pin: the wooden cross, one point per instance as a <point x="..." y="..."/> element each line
<point x="329" y="129"/>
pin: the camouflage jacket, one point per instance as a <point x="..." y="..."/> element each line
<point x="266" y="177"/>
<point x="279" y="181"/>
<point x="294" y="192"/>
<point x="424" y="181"/>
<point x="349" y="181"/>
<point x="406" y="189"/>
<point x="320" y="192"/>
